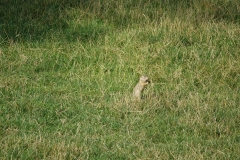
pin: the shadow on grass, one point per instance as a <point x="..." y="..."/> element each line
<point x="34" y="20"/>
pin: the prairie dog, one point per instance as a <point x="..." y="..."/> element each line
<point x="138" y="89"/>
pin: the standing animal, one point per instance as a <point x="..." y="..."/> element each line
<point x="138" y="89"/>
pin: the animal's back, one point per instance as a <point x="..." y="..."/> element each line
<point x="137" y="91"/>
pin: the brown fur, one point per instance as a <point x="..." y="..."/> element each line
<point x="138" y="89"/>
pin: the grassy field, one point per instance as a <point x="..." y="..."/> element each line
<point x="68" y="68"/>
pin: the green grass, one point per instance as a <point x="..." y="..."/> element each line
<point x="67" y="71"/>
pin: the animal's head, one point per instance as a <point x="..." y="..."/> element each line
<point x="144" y="80"/>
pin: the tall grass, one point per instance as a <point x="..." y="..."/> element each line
<point x="68" y="70"/>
